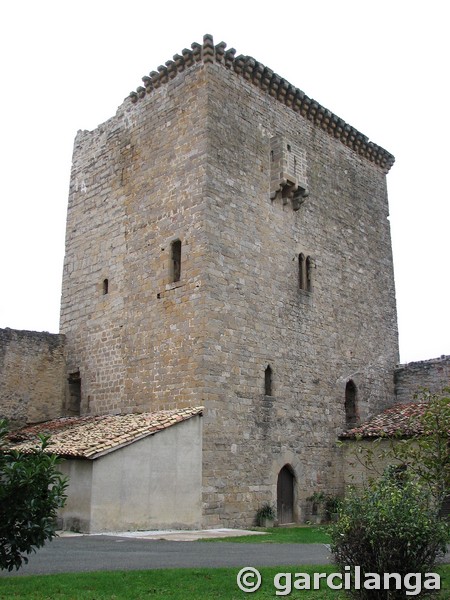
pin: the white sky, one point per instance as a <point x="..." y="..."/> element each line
<point x="383" y="66"/>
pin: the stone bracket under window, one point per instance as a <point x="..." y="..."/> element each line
<point x="287" y="172"/>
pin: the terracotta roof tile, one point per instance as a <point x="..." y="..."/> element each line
<point x="400" y="419"/>
<point x="90" y="437"/>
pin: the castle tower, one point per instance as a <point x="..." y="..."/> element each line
<point x="228" y="245"/>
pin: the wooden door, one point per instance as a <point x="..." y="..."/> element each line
<point x="285" y="496"/>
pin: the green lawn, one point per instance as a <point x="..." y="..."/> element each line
<point x="170" y="584"/>
<point x="282" y="535"/>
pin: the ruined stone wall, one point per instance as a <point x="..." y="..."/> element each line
<point x="410" y="378"/>
<point x="32" y="376"/>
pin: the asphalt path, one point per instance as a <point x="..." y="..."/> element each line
<point x="109" y="553"/>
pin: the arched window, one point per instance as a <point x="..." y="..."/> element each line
<point x="301" y="272"/>
<point x="305" y="266"/>
<point x="308" y="273"/>
<point x="175" y="260"/>
<point x="351" y="405"/>
<point x="268" y="381"/>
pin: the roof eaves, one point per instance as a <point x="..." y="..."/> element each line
<point x="156" y="422"/>
<point x="95" y="455"/>
<point x="398" y="421"/>
<point x="272" y="84"/>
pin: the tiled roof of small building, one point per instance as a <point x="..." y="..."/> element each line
<point x="399" y="420"/>
<point x="93" y="436"/>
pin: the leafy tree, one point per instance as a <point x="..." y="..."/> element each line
<point x="426" y="453"/>
<point x="392" y="524"/>
<point x="423" y="449"/>
<point x="31" y="491"/>
<point x="389" y="527"/>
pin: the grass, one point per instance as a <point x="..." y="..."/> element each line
<point x="281" y="535"/>
<point x="167" y="584"/>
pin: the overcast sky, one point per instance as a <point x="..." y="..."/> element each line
<point x="381" y="66"/>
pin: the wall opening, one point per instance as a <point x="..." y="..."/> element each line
<point x="308" y="274"/>
<point x="301" y="271"/>
<point x="268" y="381"/>
<point x="305" y="266"/>
<point x="351" y="405"/>
<point x="285" y="495"/>
<point x="105" y="286"/>
<point x="175" y="261"/>
<point x="74" y="406"/>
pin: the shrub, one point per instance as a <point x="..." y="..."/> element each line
<point x="329" y="502"/>
<point x="266" y="512"/>
<point x="426" y="454"/>
<point x="422" y="447"/>
<point x="31" y="491"/>
<point x="391" y="527"/>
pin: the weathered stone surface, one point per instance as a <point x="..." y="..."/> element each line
<point x="277" y="87"/>
<point x="410" y="378"/>
<point x="32" y="376"/>
<point x="189" y="158"/>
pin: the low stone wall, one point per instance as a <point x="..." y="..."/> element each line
<point x="433" y="375"/>
<point x="32" y="376"/>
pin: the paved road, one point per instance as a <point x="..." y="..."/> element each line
<point x="108" y="553"/>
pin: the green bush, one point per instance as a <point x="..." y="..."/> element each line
<point x="390" y="527"/>
<point x="31" y="491"/>
<point x="265" y="512"/>
<point x="421" y="447"/>
<point x="329" y="502"/>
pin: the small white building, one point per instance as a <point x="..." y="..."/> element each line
<point x="127" y="472"/>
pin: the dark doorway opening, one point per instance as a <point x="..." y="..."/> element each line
<point x="74" y="405"/>
<point x="285" y="495"/>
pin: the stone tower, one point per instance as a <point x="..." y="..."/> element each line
<point x="228" y="245"/>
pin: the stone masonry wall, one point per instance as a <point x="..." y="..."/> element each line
<point x="32" y="376"/>
<point x="433" y="375"/>
<point x="191" y="157"/>
<point x="136" y="187"/>
<point x="314" y="341"/>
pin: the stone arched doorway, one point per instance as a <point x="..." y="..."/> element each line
<point x="285" y="495"/>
